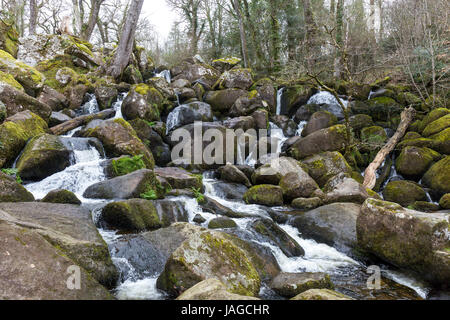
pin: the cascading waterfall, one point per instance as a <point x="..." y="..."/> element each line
<point x="279" y="100"/>
<point x="117" y="106"/>
<point x="91" y="106"/>
<point x="165" y="74"/>
<point x="327" y="99"/>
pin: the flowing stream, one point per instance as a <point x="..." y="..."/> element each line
<point x="86" y="169"/>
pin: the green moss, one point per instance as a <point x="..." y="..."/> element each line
<point x="437" y="126"/>
<point x="14" y="173"/>
<point x="9" y="79"/>
<point x="127" y="164"/>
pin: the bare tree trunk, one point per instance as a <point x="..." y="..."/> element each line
<point x="339" y="39"/>
<point x="76" y="17"/>
<point x="33" y="16"/>
<point x="370" y="177"/>
<point x="123" y="52"/>
<point x="242" y="32"/>
<point x="275" y="35"/>
<point x="88" y="28"/>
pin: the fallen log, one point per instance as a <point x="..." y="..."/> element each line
<point x="370" y="173"/>
<point x="81" y="121"/>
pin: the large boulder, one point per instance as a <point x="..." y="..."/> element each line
<point x="143" y="102"/>
<point x="54" y="99"/>
<point x="61" y="196"/>
<point x="231" y="173"/>
<point x="222" y="223"/>
<point x="404" y="192"/>
<point x="319" y="120"/>
<point x="297" y="185"/>
<point x="223" y="100"/>
<point x="211" y="289"/>
<point x="30" y="79"/>
<point x="179" y="178"/>
<point x="236" y="78"/>
<point x="131" y="215"/>
<point x="210" y="254"/>
<point x="291" y="284"/>
<point x="379" y="108"/>
<point x="267" y="90"/>
<point x="9" y="37"/>
<point x="105" y="95"/>
<point x="200" y="72"/>
<point x="244" y="122"/>
<point x="431" y="117"/>
<point x="345" y="189"/>
<point x="438" y="176"/>
<point x="334" y="224"/>
<point x="12" y="191"/>
<point x="324" y="166"/>
<point x="15" y="132"/>
<point x="129" y="186"/>
<point x="329" y="139"/>
<point x="437" y="126"/>
<point x="17" y="101"/>
<point x="118" y="138"/>
<point x="264" y="194"/>
<point x="413" y="162"/>
<point x="225" y="64"/>
<point x="43" y="156"/>
<point x="44" y="269"/>
<point x="70" y="229"/>
<point x="189" y="113"/>
<point x="272" y="172"/>
<point x="247" y="104"/>
<point x="407" y="239"/>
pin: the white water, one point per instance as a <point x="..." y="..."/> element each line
<point x="300" y="128"/>
<point x="279" y="100"/>
<point x="91" y="106"/>
<point x="165" y="74"/>
<point x="117" y="106"/>
<point x="326" y="98"/>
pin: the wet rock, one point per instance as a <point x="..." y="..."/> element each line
<point x="15" y="132"/>
<point x="12" y="191"/>
<point x="195" y="72"/>
<point x="223" y="100"/>
<point x="17" y="101"/>
<point x="61" y="196"/>
<point x="230" y="191"/>
<point x="143" y="102"/>
<point x="323" y="166"/>
<point x="57" y="118"/>
<point x="231" y="173"/>
<point x="272" y="233"/>
<point x="210" y="205"/>
<point x="55" y="100"/>
<point x="288" y="126"/>
<point x="189" y="113"/>
<point x="43" y="156"/>
<point x="69" y="229"/>
<point x="404" y="192"/>
<point x="211" y="289"/>
<point x="118" y="138"/>
<point x="413" y="162"/>
<point x="334" y="224"/>
<point x="124" y="187"/>
<point x="131" y="215"/>
<point x="319" y="120"/>
<point x="179" y="178"/>
<point x="407" y="239"/>
<point x="264" y="194"/>
<point x="210" y="254"/>
<point x="291" y="284"/>
<point x="199" y="219"/>
<point x="222" y="223"/>
<point x="321" y="294"/>
<point x="330" y="139"/>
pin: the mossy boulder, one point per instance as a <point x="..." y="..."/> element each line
<point x="43" y="156"/>
<point x="319" y="120"/>
<point x="329" y="139"/>
<point x="297" y="185"/>
<point x="373" y="138"/>
<point x="407" y="239"/>
<point x="321" y="294"/>
<point x="424" y="206"/>
<point x="61" y="196"/>
<point x="193" y="72"/>
<point x="179" y="178"/>
<point x="357" y="91"/>
<point x="125" y="165"/>
<point x="296" y="96"/>
<point x="9" y="79"/>
<point x="142" y="102"/>
<point x="444" y="202"/>
<point x="15" y="132"/>
<point x="360" y="121"/>
<point x="438" y="176"/>
<point x="413" y="162"/>
<point x="432" y="116"/>
<point x="323" y="166"/>
<point x="231" y="173"/>
<point x="409" y="99"/>
<point x="132" y="75"/>
<point x="30" y="79"/>
<point x="9" y="37"/>
<point x="2" y="112"/>
<point x="223" y="100"/>
<point x="264" y="194"/>
<point x="105" y="94"/>
<point x="119" y="138"/>
<point x="222" y="223"/>
<point x="236" y="78"/>
<point x="131" y="215"/>
<point x="437" y="126"/>
<point x="17" y="101"/>
<point x="267" y="90"/>
<point x="210" y="254"/>
<point x="12" y="191"/>
<point x="247" y="104"/>
<point x="225" y="64"/>
<point x="403" y="192"/>
<point x="380" y="108"/>
<point x="306" y="203"/>
<point x="291" y="284"/>
<point x="441" y="141"/>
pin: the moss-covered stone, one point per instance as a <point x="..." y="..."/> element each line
<point x="31" y="79"/>
<point x="437" y="126"/>
<point x="61" y="196"/>
<point x="438" y="176"/>
<point x="264" y="194"/>
<point x="9" y="37"/>
<point x="222" y="223"/>
<point x="236" y="78"/>
<point x="292" y="284"/>
<point x="413" y="162"/>
<point x="126" y="164"/>
<point x="432" y="116"/>
<point x="131" y="215"/>
<point x="424" y="206"/>
<point x="404" y="192"/>
<point x="9" y="79"/>
<point x="441" y="141"/>
<point x="11" y="191"/>
<point x="223" y="100"/>
<point x="444" y="202"/>
<point x="379" y="108"/>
